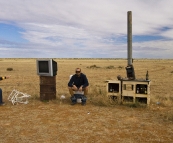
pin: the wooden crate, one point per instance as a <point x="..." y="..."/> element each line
<point x="136" y="89"/>
<point x="47" y="96"/>
<point x="44" y="80"/>
<point x="113" y="89"/>
<point x="47" y="87"/>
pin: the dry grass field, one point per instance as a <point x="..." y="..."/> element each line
<point x="101" y="120"/>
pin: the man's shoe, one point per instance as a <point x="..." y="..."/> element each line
<point x="83" y="103"/>
<point x="73" y="103"/>
<point x="2" y="104"/>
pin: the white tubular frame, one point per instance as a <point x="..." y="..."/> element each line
<point x="18" y="97"/>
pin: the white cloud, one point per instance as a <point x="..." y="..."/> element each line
<point x="98" y="27"/>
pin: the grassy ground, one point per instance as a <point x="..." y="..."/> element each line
<point x="100" y="120"/>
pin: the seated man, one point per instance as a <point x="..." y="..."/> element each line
<point x="1" y="102"/>
<point x="78" y="82"/>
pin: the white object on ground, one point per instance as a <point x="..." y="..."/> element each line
<point x="18" y="97"/>
<point x="62" y="97"/>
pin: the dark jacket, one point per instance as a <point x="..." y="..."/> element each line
<point x="78" y="81"/>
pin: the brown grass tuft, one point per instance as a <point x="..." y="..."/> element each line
<point x="9" y="69"/>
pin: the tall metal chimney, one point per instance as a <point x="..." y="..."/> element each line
<point x="129" y="37"/>
<point x="129" y="69"/>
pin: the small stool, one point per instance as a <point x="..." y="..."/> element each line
<point x="79" y="100"/>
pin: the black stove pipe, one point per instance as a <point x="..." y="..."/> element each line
<point x="129" y="69"/>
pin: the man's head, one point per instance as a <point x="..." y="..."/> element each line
<point x="78" y="71"/>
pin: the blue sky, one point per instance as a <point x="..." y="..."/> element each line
<point x="85" y="29"/>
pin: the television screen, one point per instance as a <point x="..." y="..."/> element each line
<point x="46" y="67"/>
<point x="43" y="67"/>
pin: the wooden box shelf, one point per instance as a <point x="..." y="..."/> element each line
<point x="136" y="89"/>
<point x="131" y="89"/>
<point x="113" y="89"/>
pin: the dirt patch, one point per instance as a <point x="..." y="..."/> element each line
<point x="61" y="122"/>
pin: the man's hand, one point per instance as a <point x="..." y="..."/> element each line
<point x="74" y="87"/>
<point x="80" y="89"/>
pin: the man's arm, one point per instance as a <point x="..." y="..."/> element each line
<point x="4" y="77"/>
<point x="70" y="84"/>
<point x="85" y="81"/>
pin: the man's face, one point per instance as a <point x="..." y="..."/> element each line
<point x="78" y="71"/>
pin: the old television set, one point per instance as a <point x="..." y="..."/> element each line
<point x="46" y="67"/>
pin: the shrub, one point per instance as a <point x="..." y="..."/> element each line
<point x="120" y="67"/>
<point x="9" y="69"/>
<point x="93" y="66"/>
<point x="110" y="67"/>
<point x="98" y="97"/>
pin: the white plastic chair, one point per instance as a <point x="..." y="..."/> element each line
<point x="18" y="97"/>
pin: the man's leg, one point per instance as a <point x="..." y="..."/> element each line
<point x="1" y="102"/>
<point x="73" y="98"/>
<point x="85" y="91"/>
<point x="70" y="91"/>
<point x="84" y="97"/>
